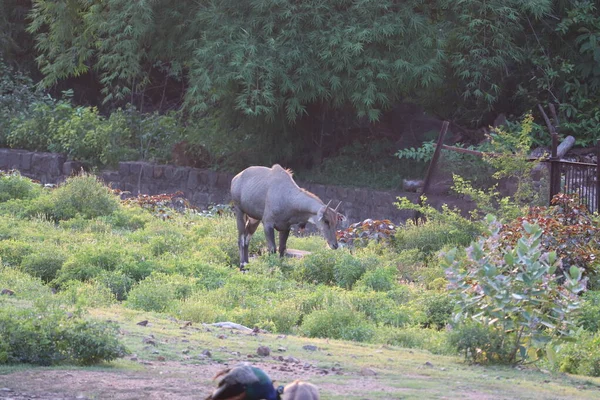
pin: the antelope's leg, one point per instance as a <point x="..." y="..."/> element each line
<point x="283" y="237"/>
<point x="251" y="225"/>
<point x="270" y="236"/>
<point x="241" y="218"/>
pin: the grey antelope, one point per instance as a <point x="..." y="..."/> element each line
<point x="270" y="195"/>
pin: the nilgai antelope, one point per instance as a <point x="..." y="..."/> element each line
<point x="270" y="195"/>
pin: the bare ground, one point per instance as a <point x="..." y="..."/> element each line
<point x="174" y="367"/>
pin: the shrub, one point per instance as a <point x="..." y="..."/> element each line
<point x="24" y="285"/>
<point x="380" y="308"/>
<point x="515" y="291"/>
<point x="86" y="294"/>
<point x="581" y="356"/>
<point x="49" y="336"/>
<point x="589" y="318"/>
<point x="338" y="323"/>
<point x="412" y="337"/>
<point x="333" y="268"/>
<point x="90" y="260"/>
<point x="569" y="229"/>
<point x="117" y="282"/>
<point x="44" y="263"/>
<point x="481" y="343"/>
<point x="17" y="92"/>
<point x="82" y="195"/>
<point x="438" y="309"/>
<point x="14" y="186"/>
<point x="129" y="218"/>
<point x="13" y="252"/>
<point x="379" y="279"/>
<point x="197" y="309"/>
<point x="159" y="291"/>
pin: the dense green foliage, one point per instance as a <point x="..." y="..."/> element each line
<point x="390" y="292"/>
<point x="513" y="293"/>
<point x="297" y="83"/>
<point x="50" y="331"/>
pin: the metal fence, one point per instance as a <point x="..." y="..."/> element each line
<point x="578" y="178"/>
<point x="568" y="177"/>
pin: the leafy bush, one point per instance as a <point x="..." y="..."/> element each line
<point x="338" y="323"/>
<point x="332" y="268"/>
<point x="413" y="337"/>
<point x="441" y="228"/>
<point x="117" y="282"/>
<point x="82" y="195"/>
<point x="15" y="186"/>
<point x="567" y="228"/>
<point x="581" y="356"/>
<point x="49" y="336"/>
<point x="86" y="294"/>
<point x="17" y="92"/>
<point x="480" y="343"/>
<point x="514" y="290"/>
<point x="159" y="291"/>
<point x="83" y="134"/>
<point x="44" y="263"/>
<point x="589" y="318"/>
<point x="90" y="260"/>
<point x="24" y="285"/>
<point x="438" y="308"/>
<point x="379" y="279"/>
<point x="12" y="252"/>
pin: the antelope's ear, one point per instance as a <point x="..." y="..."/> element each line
<point x="321" y="213"/>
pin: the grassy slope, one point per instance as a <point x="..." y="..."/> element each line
<point x="400" y="373"/>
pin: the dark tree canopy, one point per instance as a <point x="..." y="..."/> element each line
<point x="465" y="60"/>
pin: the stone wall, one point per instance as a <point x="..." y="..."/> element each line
<point x="203" y="187"/>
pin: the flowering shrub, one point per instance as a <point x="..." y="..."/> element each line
<point x="567" y="228"/>
<point x="360" y="233"/>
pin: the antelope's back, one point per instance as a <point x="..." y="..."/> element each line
<point x="250" y="188"/>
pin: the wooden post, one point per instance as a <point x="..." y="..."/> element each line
<point x="432" y="165"/>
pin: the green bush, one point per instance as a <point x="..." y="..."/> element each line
<point x="481" y="343"/>
<point x="14" y="186"/>
<point x="438" y="309"/>
<point x="338" y="323"/>
<point x="379" y="279"/>
<point x="17" y="92"/>
<point x="589" y="317"/>
<point x="13" y="251"/>
<point x="412" y="337"/>
<point x="86" y="294"/>
<point x="380" y="308"/>
<point x="82" y="195"/>
<point x="581" y="356"/>
<point x="24" y="285"/>
<point x="514" y="289"/>
<point x="117" y="282"/>
<point x="44" y="263"/>
<point x="49" y="336"/>
<point x="159" y="291"/>
<point x="333" y="268"/>
<point x="90" y="260"/>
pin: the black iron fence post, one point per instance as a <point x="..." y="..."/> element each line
<point x="598" y="176"/>
<point x="554" y="169"/>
